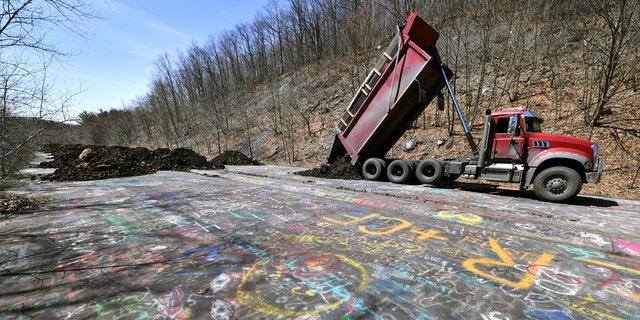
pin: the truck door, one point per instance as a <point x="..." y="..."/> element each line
<point x="509" y="140"/>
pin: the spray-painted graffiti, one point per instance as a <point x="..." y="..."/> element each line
<point x="302" y="284"/>
<point x="187" y="247"/>
<point x="129" y="307"/>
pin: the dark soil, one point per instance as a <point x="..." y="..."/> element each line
<point x="339" y="169"/>
<point x="232" y="157"/>
<point x="12" y="204"/>
<point x="103" y="162"/>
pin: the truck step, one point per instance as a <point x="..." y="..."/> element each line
<point x="501" y="174"/>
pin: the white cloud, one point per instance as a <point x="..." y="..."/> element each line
<point x="137" y="32"/>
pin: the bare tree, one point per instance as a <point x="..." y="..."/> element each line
<point x="25" y="24"/>
<point x="261" y="44"/>
<point x="166" y="98"/>
<point x="143" y="112"/>
<point x="552" y="42"/>
<point x="608" y="54"/>
<point x="276" y="30"/>
<point x="25" y="56"/>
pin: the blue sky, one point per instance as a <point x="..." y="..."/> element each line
<point x="113" y="65"/>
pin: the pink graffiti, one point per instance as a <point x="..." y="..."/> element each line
<point x="20" y="260"/>
<point x="170" y="303"/>
<point x="627" y="247"/>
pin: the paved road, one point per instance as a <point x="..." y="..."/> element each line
<point x="259" y="243"/>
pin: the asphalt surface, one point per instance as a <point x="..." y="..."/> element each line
<point x="256" y="242"/>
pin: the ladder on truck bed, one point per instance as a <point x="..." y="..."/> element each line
<point x="369" y="82"/>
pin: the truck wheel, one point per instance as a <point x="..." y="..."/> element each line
<point x="399" y="171"/>
<point x="429" y="171"/>
<point x="557" y="184"/>
<point x="373" y="169"/>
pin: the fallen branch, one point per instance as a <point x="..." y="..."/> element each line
<point x="2" y="156"/>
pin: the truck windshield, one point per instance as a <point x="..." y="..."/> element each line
<point x="532" y="121"/>
<point x="533" y="124"/>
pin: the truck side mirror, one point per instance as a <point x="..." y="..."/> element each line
<point x="512" y="129"/>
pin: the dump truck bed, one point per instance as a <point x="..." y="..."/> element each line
<point x="405" y="79"/>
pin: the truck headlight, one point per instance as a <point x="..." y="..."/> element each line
<point x="588" y="165"/>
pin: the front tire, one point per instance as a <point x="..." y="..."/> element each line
<point x="557" y="184"/>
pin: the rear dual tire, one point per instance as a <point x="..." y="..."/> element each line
<point x="374" y="169"/>
<point x="400" y="171"/>
<point x="430" y="171"/>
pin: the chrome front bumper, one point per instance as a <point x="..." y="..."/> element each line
<point x="594" y="177"/>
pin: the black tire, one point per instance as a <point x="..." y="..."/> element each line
<point x="374" y="169"/>
<point x="429" y="171"/>
<point x="399" y="171"/>
<point x="557" y="184"/>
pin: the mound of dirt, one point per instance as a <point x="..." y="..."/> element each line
<point x="84" y="162"/>
<point x="180" y="159"/>
<point x="102" y="163"/>
<point x="232" y="157"/>
<point x="339" y="169"/>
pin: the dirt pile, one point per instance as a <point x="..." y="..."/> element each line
<point x="232" y="157"/>
<point x="86" y="162"/>
<point x="77" y="162"/>
<point x="339" y="169"/>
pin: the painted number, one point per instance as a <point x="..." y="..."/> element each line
<point x="466" y="217"/>
<point x="505" y="261"/>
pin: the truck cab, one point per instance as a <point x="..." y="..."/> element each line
<point x="509" y="138"/>
<point x="556" y="165"/>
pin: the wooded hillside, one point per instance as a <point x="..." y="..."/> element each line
<point x="275" y="88"/>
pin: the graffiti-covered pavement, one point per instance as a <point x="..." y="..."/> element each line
<point x="260" y="243"/>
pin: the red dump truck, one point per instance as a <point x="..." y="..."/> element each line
<point x="513" y="148"/>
